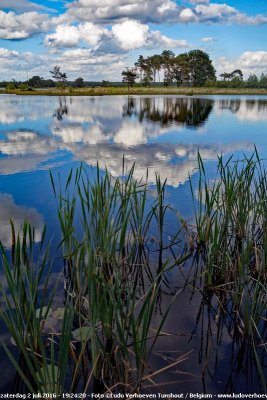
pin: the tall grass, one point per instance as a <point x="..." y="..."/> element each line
<point x="111" y="285"/>
<point x="26" y="304"/>
<point x="110" y="272"/>
<point x="116" y="257"/>
<point x="230" y="235"/>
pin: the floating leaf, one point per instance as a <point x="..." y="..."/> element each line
<point x="83" y="333"/>
<point x="50" y="325"/>
<point x="58" y="313"/>
<point x="43" y="312"/>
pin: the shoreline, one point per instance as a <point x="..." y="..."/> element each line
<point x="118" y="91"/>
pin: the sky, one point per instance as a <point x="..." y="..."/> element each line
<point x="97" y="39"/>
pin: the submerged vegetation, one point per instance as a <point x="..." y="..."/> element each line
<point x="92" y="328"/>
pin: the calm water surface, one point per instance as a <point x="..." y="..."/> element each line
<point x="163" y="134"/>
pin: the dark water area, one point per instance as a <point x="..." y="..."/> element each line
<point x="164" y="135"/>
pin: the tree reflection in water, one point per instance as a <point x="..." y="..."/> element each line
<point x="191" y="112"/>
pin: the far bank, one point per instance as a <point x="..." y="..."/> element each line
<point x="108" y="91"/>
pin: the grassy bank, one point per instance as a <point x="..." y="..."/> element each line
<point x="120" y="90"/>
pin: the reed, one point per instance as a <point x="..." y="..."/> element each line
<point x="230" y="242"/>
<point x="112" y="281"/>
<point x="110" y="273"/>
<point x="116" y="255"/>
<point x="27" y="299"/>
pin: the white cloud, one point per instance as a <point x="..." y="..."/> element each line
<point x="223" y="13"/>
<point x="21" y="5"/>
<point x="96" y="15"/>
<point x="107" y="11"/>
<point x="208" y="39"/>
<point x="122" y="37"/>
<point x="20" y="26"/>
<point x="250" y="62"/>
<point x="5" y="53"/>
<point x="158" y="11"/>
<point x="130" y="34"/>
<point x="69" y="36"/>
<point x="187" y="15"/>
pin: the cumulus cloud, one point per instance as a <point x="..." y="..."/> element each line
<point x="122" y="37"/>
<point x="133" y="35"/>
<point x="108" y="11"/>
<point x="20" y="26"/>
<point x="187" y="15"/>
<point x="223" y="13"/>
<point x="21" y="5"/>
<point x="69" y="36"/>
<point x="158" y="11"/>
<point x="5" y="53"/>
<point x="130" y="34"/>
<point x="250" y="62"/>
<point x="95" y="15"/>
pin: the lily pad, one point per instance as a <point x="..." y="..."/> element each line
<point x="58" y="313"/>
<point x="51" y="325"/>
<point x="43" y="312"/>
<point x="83" y="333"/>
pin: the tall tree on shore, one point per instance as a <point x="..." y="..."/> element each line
<point x="155" y="63"/>
<point x="181" y="69"/>
<point x="141" y="66"/>
<point x="129" y="76"/>
<point x="236" y="74"/>
<point x="201" y="68"/>
<point x="167" y="57"/>
<point x="60" y="77"/>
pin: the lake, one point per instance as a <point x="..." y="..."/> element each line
<point x="163" y="134"/>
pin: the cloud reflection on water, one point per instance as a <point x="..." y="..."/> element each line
<point x="106" y="129"/>
<point x="9" y="209"/>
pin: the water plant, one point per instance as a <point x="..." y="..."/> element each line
<point x="230" y="237"/>
<point x="27" y="299"/>
<point x="94" y="329"/>
<point x="113" y="273"/>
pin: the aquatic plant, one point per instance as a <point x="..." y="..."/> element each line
<point x="230" y="237"/>
<point x="114" y="271"/>
<point x="110" y="271"/>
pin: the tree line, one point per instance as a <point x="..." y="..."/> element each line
<point x="191" y="69"/>
<point x="187" y="69"/>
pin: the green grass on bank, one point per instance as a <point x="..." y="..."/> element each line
<point x="120" y="90"/>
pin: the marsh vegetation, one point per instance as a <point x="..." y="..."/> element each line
<point x="94" y="328"/>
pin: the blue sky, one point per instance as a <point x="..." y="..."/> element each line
<point x="97" y="39"/>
